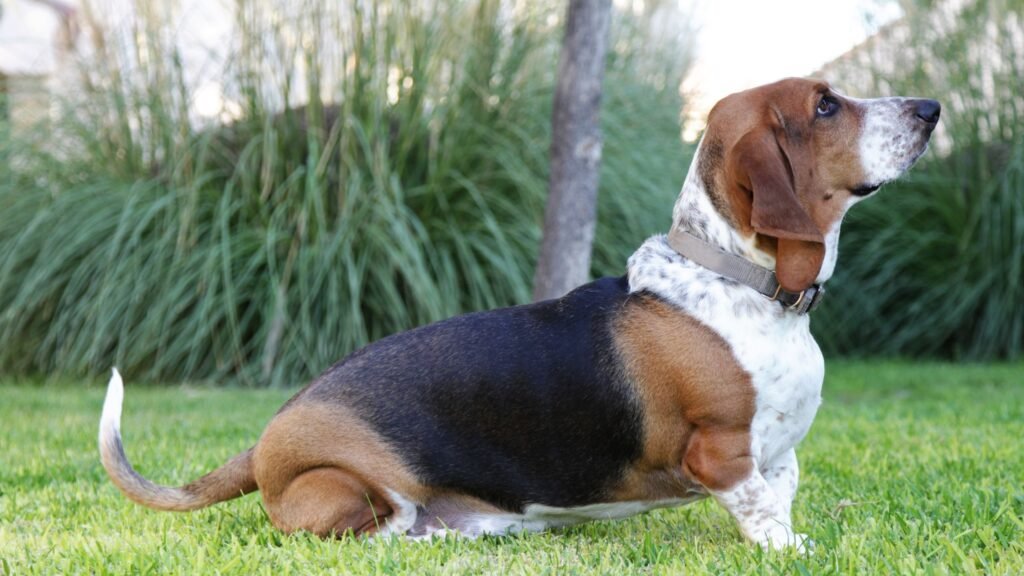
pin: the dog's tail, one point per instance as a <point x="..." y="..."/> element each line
<point x="231" y="480"/>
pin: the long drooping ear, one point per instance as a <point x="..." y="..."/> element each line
<point x="762" y="169"/>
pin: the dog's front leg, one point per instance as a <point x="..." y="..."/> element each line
<point x="782" y="475"/>
<point x="763" y="515"/>
<point x="721" y="462"/>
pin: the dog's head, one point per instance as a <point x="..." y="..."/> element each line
<point x="783" y="162"/>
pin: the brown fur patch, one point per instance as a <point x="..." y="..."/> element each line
<point x="328" y="501"/>
<point x="709" y="165"/>
<point x="321" y="468"/>
<point x="698" y="402"/>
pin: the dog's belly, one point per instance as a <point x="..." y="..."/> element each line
<point x="535" y="518"/>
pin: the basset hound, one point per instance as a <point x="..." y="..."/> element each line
<point x="693" y="375"/>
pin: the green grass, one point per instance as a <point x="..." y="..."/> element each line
<point x="909" y="469"/>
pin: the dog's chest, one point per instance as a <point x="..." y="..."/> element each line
<point x="775" y="347"/>
<point x="786" y="369"/>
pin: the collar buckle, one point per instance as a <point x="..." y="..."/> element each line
<point x="816" y="298"/>
<point x="802" y="302"/>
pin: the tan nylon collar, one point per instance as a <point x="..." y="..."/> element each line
<point x="745" y="272"/>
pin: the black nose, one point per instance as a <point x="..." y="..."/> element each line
<point x="927" y="110"/>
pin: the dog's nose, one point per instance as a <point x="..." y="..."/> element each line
<point x="927" y="110"/>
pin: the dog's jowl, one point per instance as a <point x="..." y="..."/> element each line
<point x="693" y="375"/>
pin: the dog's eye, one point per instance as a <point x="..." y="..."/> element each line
<point x="827" y="106"/>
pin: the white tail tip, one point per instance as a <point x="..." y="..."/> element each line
<point x="111" y="419"/>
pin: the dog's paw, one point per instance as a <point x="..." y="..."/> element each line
<point x="782" y="538"/>
<point x="803" y="544"/>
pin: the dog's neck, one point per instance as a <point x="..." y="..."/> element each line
<point x="695" y="213"/>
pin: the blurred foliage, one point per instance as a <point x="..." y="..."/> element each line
<point x="934" y="266"/>
<point x="387" y="168"/>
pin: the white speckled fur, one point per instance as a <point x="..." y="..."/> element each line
<point x="888" y="145"/>
<point x="763" y="516"/>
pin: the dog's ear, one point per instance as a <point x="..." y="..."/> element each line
<point x="761" y="168"/>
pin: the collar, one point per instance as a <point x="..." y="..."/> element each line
<point x="732" y="266"/>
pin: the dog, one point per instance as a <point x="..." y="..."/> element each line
<point x="693" y="375"/>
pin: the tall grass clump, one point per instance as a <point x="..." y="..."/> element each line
<point x="384" y="166"/>
<point x="935" y="265"/>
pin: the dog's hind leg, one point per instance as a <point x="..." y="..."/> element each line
<point x="322" y="469"/>
<point x="328" y="501"/>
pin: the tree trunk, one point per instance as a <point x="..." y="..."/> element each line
<point x="571" y="212"/>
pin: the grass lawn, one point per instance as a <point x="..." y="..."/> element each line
<point x="909" y="469"/>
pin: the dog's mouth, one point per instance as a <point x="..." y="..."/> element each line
<point x="920" y="151"/>
<point x="865" y="189"/>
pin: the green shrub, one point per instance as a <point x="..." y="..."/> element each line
<point x="935" y="265"/>
<point x="409" y="187"/>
